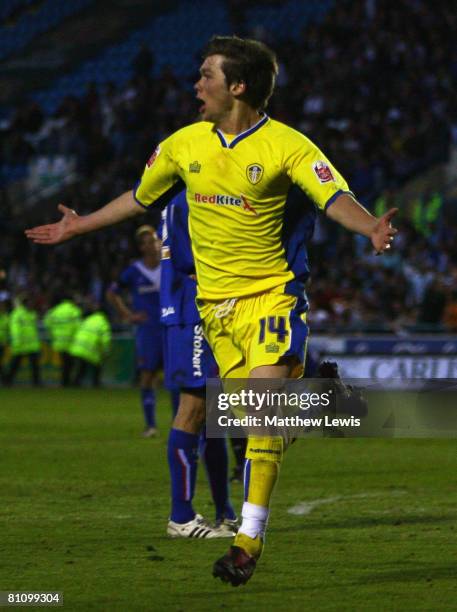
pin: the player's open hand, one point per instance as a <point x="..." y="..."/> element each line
<point x="383" y="232"/>
<point x="55" y="233"/>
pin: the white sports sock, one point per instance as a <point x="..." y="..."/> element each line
<point x="255" y="520"/>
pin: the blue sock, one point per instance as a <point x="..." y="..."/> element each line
<point x="148" y="400"/>
<point x="216" y="461"/>
<point x="182" y="461"/>
<point x="174" y="402"/>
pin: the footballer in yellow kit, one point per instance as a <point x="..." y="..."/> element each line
<point x="250" y="270"/>
<point x="237" y="190"/>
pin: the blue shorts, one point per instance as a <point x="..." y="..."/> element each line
<point x="188" y="359"/>
<point x="149" y="347"/>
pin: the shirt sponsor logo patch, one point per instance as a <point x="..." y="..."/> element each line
<point x="195" y="167"/>
<point x="197" y="351"/>
<point x="142" y="289"/>
<point x="323" y="172"/>
<point x="272" y="348"/>
<point x="166" y="312"/>
<point x="165" y="252"/>
<point x="254" y="172"/>
<point x="153" y="157"/>
<point x="226" y="200"/>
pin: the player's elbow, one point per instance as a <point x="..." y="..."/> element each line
<point x="136" y="207"/>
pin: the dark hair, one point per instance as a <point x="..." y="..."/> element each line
<point x="248" y="61"/>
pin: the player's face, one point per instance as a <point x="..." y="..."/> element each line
<point x="150" y="245"/>
<point x="212" y="90"/>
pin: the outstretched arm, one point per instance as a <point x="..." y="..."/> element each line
<point x="353" y="216"/>
<point x="71" y="224"/>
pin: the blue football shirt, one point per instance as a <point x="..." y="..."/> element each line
<point x="178" y="289"/>
<point x="143" y="283"/>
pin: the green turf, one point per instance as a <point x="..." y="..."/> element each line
<point x="84" y="503"/>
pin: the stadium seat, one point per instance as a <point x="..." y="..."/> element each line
<point x="50" y="14"/>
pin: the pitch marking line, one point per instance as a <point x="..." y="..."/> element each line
<point x="306" y="507"/>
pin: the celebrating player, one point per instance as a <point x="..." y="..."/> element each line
<point x="142" y="279"/>
<point x="188" y="362"/>
<point x="238" y="166"/>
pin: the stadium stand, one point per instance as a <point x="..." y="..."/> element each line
<point x="9" y="8"/>
<point x="115" y="63"/>
<point x="32" y="23"/>
<point x="178" y="52"/>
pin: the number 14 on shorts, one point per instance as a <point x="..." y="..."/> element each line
<point x="274" y="325"/>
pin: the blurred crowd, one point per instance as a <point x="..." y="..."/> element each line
<point x="373" y="85"/>
<point x="411" y="289"/>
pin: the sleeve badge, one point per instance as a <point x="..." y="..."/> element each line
<point x="323" y="172"/>
<point x="153" y="157"/>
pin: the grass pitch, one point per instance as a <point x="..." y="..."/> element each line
<point x="84" y="504"/>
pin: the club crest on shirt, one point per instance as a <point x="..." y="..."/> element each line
<point x="254" y="172"/>
<point x="323" y="172"/>
<point x="153" y="157"/>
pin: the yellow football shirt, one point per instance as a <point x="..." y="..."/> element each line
<point x="236" y="191"/>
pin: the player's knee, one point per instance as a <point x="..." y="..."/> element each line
<point x="288" y="366"/>
<point x="191" y="412"/>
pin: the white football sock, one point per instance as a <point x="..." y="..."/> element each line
<point x="255" y="520"/>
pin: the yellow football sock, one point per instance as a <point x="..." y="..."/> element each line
<point x="262" y="479"/>
<point x="264" y="455"/>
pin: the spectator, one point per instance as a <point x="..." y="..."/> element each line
<point x="4" y="331"/>
<point x="433" y="304"/>
<point x="62" y="322"/>
<point x="450" y="313"/>
<point x="90" y="346"/>
<point x="25" y="339"/>
<point x="143" y="62"/>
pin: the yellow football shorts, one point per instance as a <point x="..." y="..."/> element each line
<point x="249" y="332"/>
